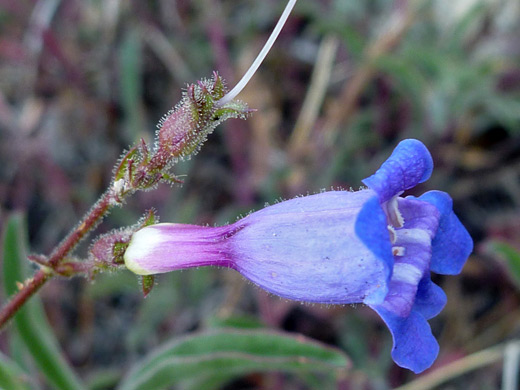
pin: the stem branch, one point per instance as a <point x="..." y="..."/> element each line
<point x="30" y="287"/>
<point x="28" y="290"/>
<point x="95" y="215"/>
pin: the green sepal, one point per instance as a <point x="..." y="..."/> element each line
<point x="233" y="109"/>
<point x="170" y="179"/>
<point x="118" y="252"/>
<point x="147" y="283"/>
<point x="121" y="171"/>
<point x="149" y="219"/>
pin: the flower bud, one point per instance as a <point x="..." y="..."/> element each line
<point x="185" y="128"/>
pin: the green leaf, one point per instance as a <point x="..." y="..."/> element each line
<point x="232" y="352"/>
<point x="12" y="377"/>
<point x="30" y="321"/>
<point x="511" y="256"/>
<point x="122" y="168"/>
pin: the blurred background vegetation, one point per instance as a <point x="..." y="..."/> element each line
<point x="80" y="81"/>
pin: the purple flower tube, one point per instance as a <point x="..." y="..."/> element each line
<point x="338" y="247"/>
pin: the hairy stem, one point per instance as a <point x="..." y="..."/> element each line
<point x="31" y="286"/>
<point x="89" y="222"/>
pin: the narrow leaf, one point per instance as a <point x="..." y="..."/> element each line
<point x="30" y="321"/>
<point x="232" y="352"/>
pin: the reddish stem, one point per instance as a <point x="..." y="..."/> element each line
<point x="96" y="214"/>
<point x="27" y="291"/>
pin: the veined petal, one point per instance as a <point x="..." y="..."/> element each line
<point x="452" y="243"/>
<point x="410" y="163"/>
<point x="418" y="214"/>
<point x="414" y="346"/>
<point x="420" y="220"/>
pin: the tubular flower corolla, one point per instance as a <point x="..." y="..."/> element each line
<point x="338" y="247"/>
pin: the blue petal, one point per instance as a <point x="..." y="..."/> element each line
<point x="452" y="243"/>
<point x="430" y="298"/>
<point x="414" y="347"/>
<point x="307" y="249"/>
<point x="371" y="228"/>
<point x="409" y="164"/>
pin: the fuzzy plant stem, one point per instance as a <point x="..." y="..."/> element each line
<point x="89" y="222"/>
<point x="32" y="285"/>
<point x="29" y="288"/>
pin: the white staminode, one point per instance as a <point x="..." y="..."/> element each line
<point x="263" y="53"/>
<point x="407" y="273"/>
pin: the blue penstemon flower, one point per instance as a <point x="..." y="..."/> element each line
<point x="338" y="247"/>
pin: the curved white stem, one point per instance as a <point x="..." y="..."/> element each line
<point x="263" y="53"/>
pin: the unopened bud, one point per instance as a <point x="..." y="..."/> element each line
<point x="183" y="130"/>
